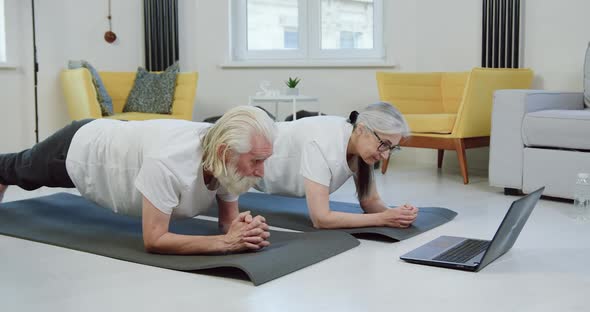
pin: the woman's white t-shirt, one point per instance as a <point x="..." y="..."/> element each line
<point x="312" y="148"/>
<point x="114" y="163"/>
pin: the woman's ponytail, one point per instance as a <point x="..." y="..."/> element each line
<point x="353" y="117"/>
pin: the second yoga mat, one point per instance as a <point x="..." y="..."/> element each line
<point x="292" y="213"/>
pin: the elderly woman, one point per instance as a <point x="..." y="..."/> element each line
<point x="314" y="156"/>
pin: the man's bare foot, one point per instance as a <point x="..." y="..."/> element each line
<point x="2" y="191"/>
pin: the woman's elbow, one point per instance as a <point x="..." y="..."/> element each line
<point x="151" y="245"/>
<point x="316" y="224"/>
<point x="368" y="202"/>
<point x="321" y="223"/>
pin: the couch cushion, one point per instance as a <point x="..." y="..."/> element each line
<point x="452" y="88"/>
<point x="119" y="85"/>
<point x="411" y="93"/>
<point x="587" y="77"/>
<point x="431" y="123"/>
<point x="152" y="92"/>
<point x="104" y="100"/>
<point x="557" y="128"/>
<point x="555" y="169"/>
<point x="143" y="116"/>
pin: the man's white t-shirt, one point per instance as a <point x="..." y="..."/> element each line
<point x="114" y="163"/>
<point x="312" y="148"/>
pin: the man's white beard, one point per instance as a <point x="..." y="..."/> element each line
<point x="234" y="183"/>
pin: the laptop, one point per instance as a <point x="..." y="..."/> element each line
<point x="474" y="254"/>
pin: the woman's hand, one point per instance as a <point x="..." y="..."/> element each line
<point x="399" y="217"/>
<point x="247" y="233"/>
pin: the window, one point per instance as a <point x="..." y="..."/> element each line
<point x="291" y="39"/>
<point x="307" y="30"/>
<point x="2" y="33"/>
<point x="8" y="22"/>
<point x="349" y="39"/>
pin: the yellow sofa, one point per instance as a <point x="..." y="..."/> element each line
<point x="80" y="95"/>
<point x="448" y="110"/>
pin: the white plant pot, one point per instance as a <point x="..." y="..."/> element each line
<point x="291" y="91"/>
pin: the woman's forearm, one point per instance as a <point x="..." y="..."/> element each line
<point x="318" y="203"/>
<point x="336" y="219"/>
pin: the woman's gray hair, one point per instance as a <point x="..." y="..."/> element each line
<point x="235" y="129"/>
<point x="380" y="117"/>
<point x="384" y="118"/>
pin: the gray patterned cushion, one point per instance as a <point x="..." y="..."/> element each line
<point x="152" y="92"/>
<point x="587" y="77"/>
<point x="104" y="99"/>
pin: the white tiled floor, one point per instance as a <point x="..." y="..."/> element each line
<point x="547" y="270"/>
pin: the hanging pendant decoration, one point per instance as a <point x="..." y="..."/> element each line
<point x="110" y="36"/>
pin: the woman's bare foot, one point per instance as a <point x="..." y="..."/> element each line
<point x="2" y="191"/>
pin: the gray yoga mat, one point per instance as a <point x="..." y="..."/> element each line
<point x="72" y="222"/>
<point x="292" y="213"/>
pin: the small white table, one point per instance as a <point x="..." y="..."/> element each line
<point x="293" y="99"/>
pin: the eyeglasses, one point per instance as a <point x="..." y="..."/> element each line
<point x="385" y="146"/>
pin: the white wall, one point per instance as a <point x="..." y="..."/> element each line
<point x="66" y="29"/>
<point x="16" y="87"/>
<point x="73" y="29"/>
<point x="421" y="35"/>
<point x="555" y="40"/>
<point x="449" y="46"/>
<point x="418" y="38"/>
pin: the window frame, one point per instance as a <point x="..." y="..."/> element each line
<point x="3" y="56"/>
<point x="309" y="27"/>
<point x="10" y="23"/>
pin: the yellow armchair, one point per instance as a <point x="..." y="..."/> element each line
<point x="448" y="111"/>
<point x="82" y="102"/>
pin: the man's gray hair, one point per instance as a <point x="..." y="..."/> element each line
<point x="235" y="129"/>
<point x="384" y="118"/>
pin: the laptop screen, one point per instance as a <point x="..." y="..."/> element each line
<point x="513" y="222"/>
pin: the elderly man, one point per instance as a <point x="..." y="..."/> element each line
<point x="159" y="169"/>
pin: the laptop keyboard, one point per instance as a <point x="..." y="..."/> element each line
<point x="464" y="251"/>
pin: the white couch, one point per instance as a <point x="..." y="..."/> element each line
<point x="540" y="138"/>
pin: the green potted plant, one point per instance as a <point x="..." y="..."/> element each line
<point x="292" y="86"/>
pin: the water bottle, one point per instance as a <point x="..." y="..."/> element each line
<point x="582" y="198"/>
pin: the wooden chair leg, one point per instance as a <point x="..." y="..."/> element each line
<point x="384" y="164"/>
<point x="441" y="153"/>
<point x="460" y="148"/>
